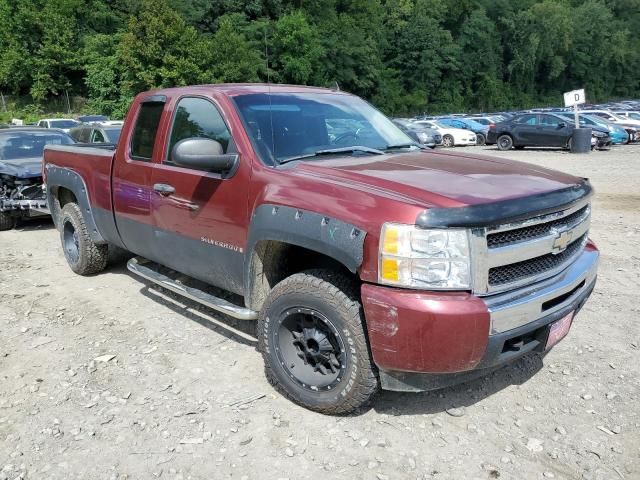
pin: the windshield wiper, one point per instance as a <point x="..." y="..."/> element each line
<point x="331" y="151"/>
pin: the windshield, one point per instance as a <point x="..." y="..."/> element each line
<point x="63" y="123"/>
<point x="287" y="125"/>
<point x="113" y="134"/>
<point x="14" y="145"/>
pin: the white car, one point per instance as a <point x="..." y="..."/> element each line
<point x="628" y="115"/>
<point x="451" y="137"/>
<point x="64" y="124"/>
<point x="613" y="117"/>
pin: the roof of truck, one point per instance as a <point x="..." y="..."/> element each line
<point x="233" y="89"/>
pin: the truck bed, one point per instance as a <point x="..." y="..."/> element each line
<point x="94" y="165"/>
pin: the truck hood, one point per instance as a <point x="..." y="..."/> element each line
<point x="434" y="179"/>
<point x="22" y="167"/>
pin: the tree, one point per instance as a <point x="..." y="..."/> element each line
<point x="297" y="50"/>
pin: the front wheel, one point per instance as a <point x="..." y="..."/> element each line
<point x="312" y="338"/>
<point x="447" y="141"/>
<point x="505" y="142"/>
<point x="7" y="222"/>
<point x="83" y="255"/>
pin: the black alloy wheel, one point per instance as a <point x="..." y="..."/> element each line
<point x="310" y="349"/>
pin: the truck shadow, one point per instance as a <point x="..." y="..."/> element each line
<point x="33" y="224"/>
<point x="462" y="395"/>
<point x="240" y="331"/>
<point x="391" y="403"/>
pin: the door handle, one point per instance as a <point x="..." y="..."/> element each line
<point x="164" y="189"/>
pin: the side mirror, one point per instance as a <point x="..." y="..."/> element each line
<point x="562" y="125"/>
<point x="203" y="154"/>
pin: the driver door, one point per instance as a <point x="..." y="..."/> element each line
<point x="199" y="217"/>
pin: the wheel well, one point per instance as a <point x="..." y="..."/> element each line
<point x="64" y="196"/>
<point x="273" y="261"/>
<point x="60" y="197"/>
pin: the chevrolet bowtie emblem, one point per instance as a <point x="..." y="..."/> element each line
<point x="561" y="241"/>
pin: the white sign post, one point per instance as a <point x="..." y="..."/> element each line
<point x="573" y="99"/>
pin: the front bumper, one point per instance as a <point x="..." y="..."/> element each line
<point x="25" y="208"/>
<point x="425" y="340"/>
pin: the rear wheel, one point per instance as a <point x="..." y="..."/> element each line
<point x="505" y="142"/>
<point x="312" y="338"/>
<point x="481" y="139"/>
<point x="7" y="222"/>
<point x="447" y="141"/>
<point x="83" y="255"/>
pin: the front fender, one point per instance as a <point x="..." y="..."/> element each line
<point x="329" y="236"/>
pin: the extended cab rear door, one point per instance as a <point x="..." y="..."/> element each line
<point x="200" y="218"/>
<point x="131" y="182"/>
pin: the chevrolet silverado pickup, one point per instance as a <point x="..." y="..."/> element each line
<point x="367" y="261"/>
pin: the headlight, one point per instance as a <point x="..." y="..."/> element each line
<point x="423" y="137"/>
<point x="424" y="258"/>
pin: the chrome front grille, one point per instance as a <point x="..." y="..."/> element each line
<point x="521" y="253"/>
<point x="508" y="237"/>
<point x="536" y="266"/>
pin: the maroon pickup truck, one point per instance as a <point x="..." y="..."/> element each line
<point x="367" y="261"/>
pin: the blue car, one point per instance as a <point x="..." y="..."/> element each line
<point x="618" y="134"/>
<point x="479" y="129"/>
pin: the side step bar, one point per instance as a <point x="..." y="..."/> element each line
<point x="144" y="268"/>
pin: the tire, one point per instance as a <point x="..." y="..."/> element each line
<point x="313" y="321"/>
<point x="448" y="141"/>
<point x="7" y="222"/>
<point x="505" y="142"/>
<point x="83" y="255"/>
<point x="481" y="139"/>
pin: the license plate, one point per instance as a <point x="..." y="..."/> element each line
<point x="559" y="330"/>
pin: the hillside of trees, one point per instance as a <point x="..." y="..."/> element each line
<point x="406" y="56"/>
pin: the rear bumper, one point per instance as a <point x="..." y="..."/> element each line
<point x="425" y="340"/>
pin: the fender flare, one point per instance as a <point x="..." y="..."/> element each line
<point x="324" y="234"/>
<point x="71" y="180"/>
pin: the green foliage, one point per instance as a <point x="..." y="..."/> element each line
<point x="406" y="56"/>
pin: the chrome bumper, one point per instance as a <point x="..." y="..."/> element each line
<point x="519" y="307"/>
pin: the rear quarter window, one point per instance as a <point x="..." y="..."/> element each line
<point x="145" y="130"/>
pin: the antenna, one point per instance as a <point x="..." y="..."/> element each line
<point x="266" y="59"/>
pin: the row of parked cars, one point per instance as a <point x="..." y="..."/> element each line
<point x="610" y="124"/>
<point x="21" y="151"/>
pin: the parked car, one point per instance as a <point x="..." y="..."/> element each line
<point x="64" y="124"/>
<point x="429" y="137"/>
<point x="451" y="137"/>
<point x="618" y="134"/>
<point x="354" y="254"/>
<point x="96" y="133"/>
<point x="93" y="118"/>
<point x="612" y="117"/>
<point x="532" y="130"/>
<point x="628" y="114"/>
<point x="479" y="129"/>
<point x="21" y="193"/>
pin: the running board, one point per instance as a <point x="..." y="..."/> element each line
<point x="144" y="268"/>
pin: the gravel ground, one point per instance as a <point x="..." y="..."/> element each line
<point x="104" y="378"/>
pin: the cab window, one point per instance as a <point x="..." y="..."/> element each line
<point x="198" y="118"/>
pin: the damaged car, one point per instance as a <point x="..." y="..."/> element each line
<point x="21" y="192"/>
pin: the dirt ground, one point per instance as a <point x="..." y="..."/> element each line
<point x="107" y="378"/>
